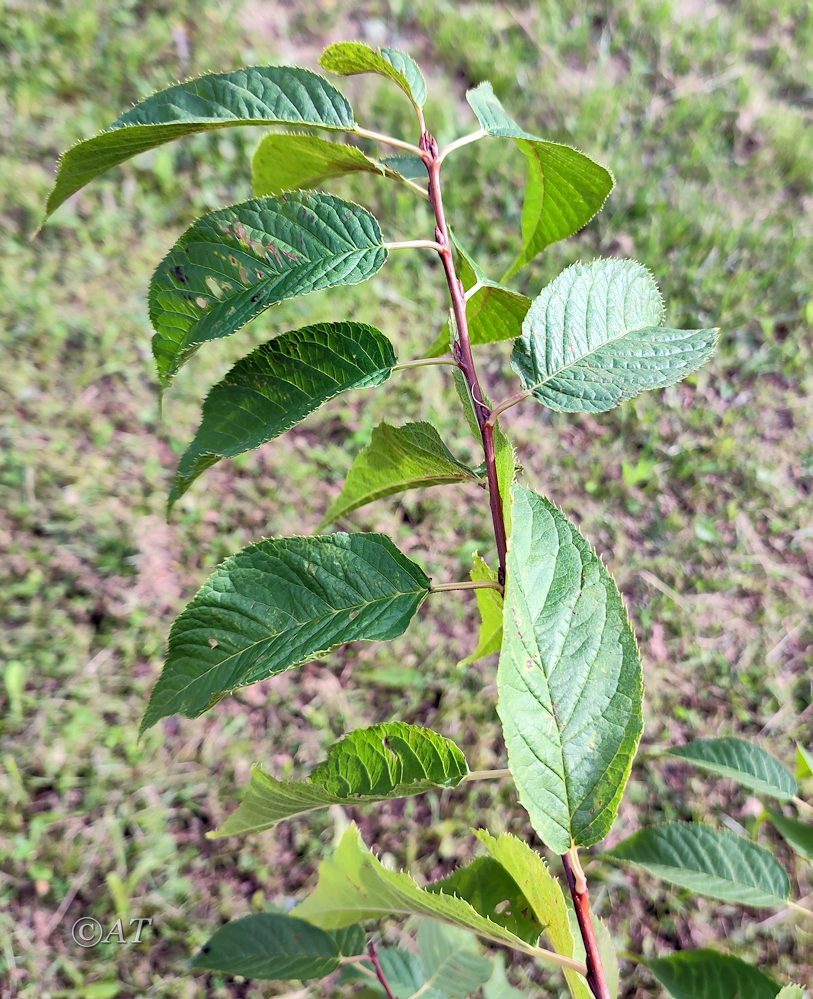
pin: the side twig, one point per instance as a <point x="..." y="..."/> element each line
<point x="379" y="971"/>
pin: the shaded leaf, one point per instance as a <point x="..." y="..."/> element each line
<point x="278" y="385"/>
<point x="569" y="678"/>
<point x="708" y="974"/>
<point x="372" y="764"/>
<point x="708" y="861"/>
<point x="234" y="263"/>
<point x="294" y="162"/>
<point x="490" y="606"/>
<point x="798" y="834"/>
<point x="451" y="963"/>
<point x="402" y="969"/>
<point x="351" y="58"/>
<point x="498" y="986"/>
<point x="407" y="166"/>
<point x="593" y="338"/>
<point x="741" y="761"/>
<point x="606" y="951"/>
<point x="350" y="940"/>
<point x="279" y="603"/>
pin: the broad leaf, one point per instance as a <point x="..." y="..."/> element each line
<point x="295" y="162"/>
<point x="798" y="834"/>
<point x="569" y="678"/>
<point x="402" y="969"/>
<point x="791" y="992"/>
<point x="564" y="188"/>
<point x="278" y="385"/>
<point x="708" y="974"/>
<point x="593" y="338"/>
<point x="260" y="95"/>
<point x="395" y="460"/>
<point x="373" y="764"/>
<point x="498" y="986"/>
<point x="270" y="947"/>
<point x="708" y="861"/>
<point x="351" y="58"/>
<point x="279" y="603"/>
<point x="354" y="886"/>
<point x="451" y="963"/>
<point x="743" y="762"/>
<point x="490" y="605"/>
<point x="545" y="897"/>
<point x="234" y="263"/>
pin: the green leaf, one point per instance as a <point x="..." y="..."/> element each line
<point x="506" y="462"/>
<point x="280" y="603"/>
<point x="351" y="58"/>
<point x="279" y="384"/>
<point x="791" y="992"/>
<point x="407" y="166"/>
<point x="354" y="886"/>
<point x="804" y="762"/>
<point x="708" y="861"/>
<point x="564" y="188"/>
<point x="270" y="947"/>
<point x="259" y="95"/>
<point x="351" y="940"/>
<point x="395" y="460"/>
<point x="798" y="834"/>
<point x="593" y="338"/>
<point x="569" y="678"/>
<point x="498" y="986"/>
<point x="490" y="605"/>
<point x="743" y="762"/>
<point x="234" y="263"/>
<point x="708" y="974"/>
<point x="545" y="897"/>
<point x="372" y="764"/>
<point x="402" y="969"/>
<point x="451" y="963"/>
<point x="295" y="162"/>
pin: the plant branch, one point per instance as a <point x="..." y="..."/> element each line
<point x="485" y="584"/>
<point x="803" y="805"/>
<point x="577" y="883"/>
<point x="508" y="403"/>
<point x="388" y="140"/>
<point x="379" y="971"/>
<point x="422" y="361"/>
<point x="464" y="140"/>
<point x="414" y="244"/>
<point x="486" y="775"/>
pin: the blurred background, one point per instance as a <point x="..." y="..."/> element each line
<point x="699" y="497"/>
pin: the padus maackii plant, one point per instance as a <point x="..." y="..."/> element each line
<point x="569" y="678"/>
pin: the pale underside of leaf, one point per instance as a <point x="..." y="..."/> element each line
<point x="351" y="58"/>
<point x="284" y="162"/>
<point x="450" y="960"/>
<point x="741" y="761"/>
<point x="708" y="974"/>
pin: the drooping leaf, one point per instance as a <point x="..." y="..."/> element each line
<point x="270" y="947"/>
<point x="708" y="974"/>
<point x="804" y="762"/>
<point x="741" y="761"/>
<point x="259" y="95"/>
<point x="708" y="861"/>
<point x="354" y="886"/>
<point x="451" y="963"/>
<point x="296" y="162"/>
<point x="490" y="606"/>
<point x="234" y="263"/>
<point x="278" y="385"/>
<point x="593" y="338"/>
<point x="372" y="764"/>
<point x="397" y="459"/>
<point x="279" y="603"/>
<point x="498" y="986"/>
<point x="564" y="188"/>
<point x="545" y="897"/>
<point x="351" y="58"/>
<point x="569" y="678"/>
<point x="798" y="834"/>
<point x="606" y="951"/>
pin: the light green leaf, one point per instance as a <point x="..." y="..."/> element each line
<point x="708" y="974"/>
<point x="279" y="384"/>
<point x="270" y="947"/>
<point x="490" y="605"/>
<point x="259" y="95"/>
<point x="395" y="460"/>
<point x="606" y="951"/>
<point x="279" y="603"/>
<point x="743" y="762"/>
<point x="451" y="963"/>
<point x="791" y="992"/>
<point x="407" y="166"/>
<point x="351" y="58"/>
<point x="294" y="162"/>
<point x="804" y="762"/>
<point x="593" y="338"/>
<point x="564" y="188"/>
<point x="354" y="886"/>
<point x="569" y="678"/>
<point x="234" y="263"/>
<point x="372" y="764"/>
<point x="506" y="462"/>
<point x="498" y="986"/>
<point x="708" y="861"/>
<point x="545" y="897"/>
<point x="798" y="834"/>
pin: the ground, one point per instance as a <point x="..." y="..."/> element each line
<point x="697" y="497"/>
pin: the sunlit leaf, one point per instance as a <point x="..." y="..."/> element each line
<point x="351" y="58"/>
<point x="490" y="606"/>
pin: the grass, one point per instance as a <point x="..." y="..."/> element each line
<point x="698" y="497"/>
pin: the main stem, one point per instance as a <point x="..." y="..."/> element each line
<point x="464" y="357"/>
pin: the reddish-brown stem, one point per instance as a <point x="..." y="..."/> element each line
<point x="581" y="903"/>
<point x="379" y="971"/>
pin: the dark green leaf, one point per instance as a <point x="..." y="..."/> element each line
<point x="708" y="974"/>
<point x="351" y="58"/>
<point x="294" y="162"/>
<point x="743" y="762"/>
<point x="350" y="940"/>
<point x="277" y="604"/>
<point x="798" y="834"/>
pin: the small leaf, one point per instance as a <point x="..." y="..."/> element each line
<point x="260" y="95"/>
<point x="708" y="861"/>
<point x="564" y="189"/>
<point x="593" y="338"/>
<point x="279" y="603"/>
<point x="351" y="58"/>
<point x="490" y="605"/>
<point x="451" y="964"/>
<point x="798" y="834"/>
<point x="278" y="385"/>
<point x="270" y="947"/>
<point x="234" y="263"/>
<point x="498" y="986"/>
<point x="791" y="992"/>
<point x="804" y="762"/>
<point x="393" y="760"/>
<point x="708" y="974"/>
<point x="395" y="460"/>
<point x="295" y="162"/>
<point x="569" y="678"/>
<point x="743" y="762"/>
